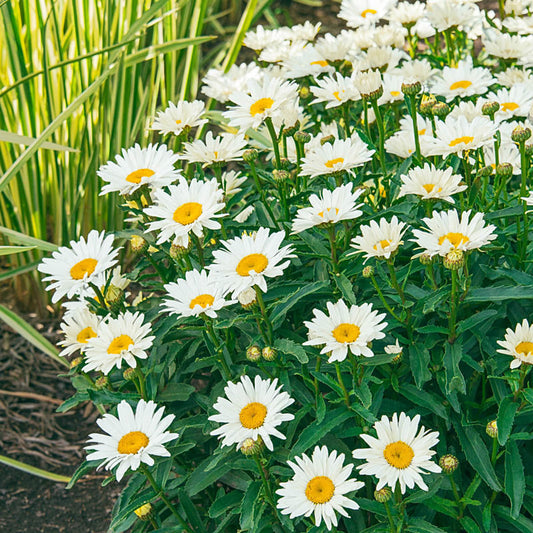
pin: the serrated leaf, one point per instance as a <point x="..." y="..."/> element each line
<point x="419" y="360"/>
<point x="250" y="506"/>
<point x="455" y="380"/>
<point x="292" y="348"/>
<point x="499" y="294"/>
<point x="225" y="503"/>
<point x="469" y="525"/>
<point x="191" y="511"/>
<point x="424" y="399"/>
<point x="505" y="420"/>
<point x="201" y="477"/>
<point x="474" y="320"/>
<point x="345" y="287"/>
<point x="175" y="392"/>
<point x="515" y="482"/>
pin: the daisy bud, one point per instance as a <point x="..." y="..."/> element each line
<point x="425" y="259"/>
<point x="101" y="383"/>
<point x="281" y="175"/>
<point x="383" y="495"/>
<point x="292" y="129"/>
<point x="368" y="271"/>
<point x="129" y="374"/>
<point x="304" y="92"/>
<point x="485" y="171"/>
<point x="329" y="139"/>
<point x="177" y="251"/>
<point x="269" y="353"/>
<point x="253" y="353"/>
<point x="504" y="170"/>
<point x="440" y="109"/>
<point x="247" y="298"/>
<point x="138" y="244"/>
<point x="251" y="446"/>
<point x="75" y="362"/>
<point x="302" y="137"/>
<point x="250" y="155"/>
<point x="492" y="429"/>
<point x="449" y="463"/>
<point x="427" y="103"/>
<point x="454" y="260"/>
<point x="489" y="108"/>
<point x="144" y="511"/>
<point x="520" y="134"/>
<point x="411" y="88"/>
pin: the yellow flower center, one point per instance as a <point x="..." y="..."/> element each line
<point x="85" y="334"/>
<point x="524" y="348"/>
<point x="368" y="12"/>
<point x="203" y="300"/>
<point x="178" y="122"/>
<point x="321" y="62"/>
<point x="384" y="243"/>
<point x="261" y="106"/>
<point x="463" y="84"/>
<point x="336" y="95"/>
<point x="332" y="162"/>
<point x="395" y="93"/>
<point x="455" y="239"/>
<point x="253" y="415"/>
<point x="422" y="132"/>
<point x="85" y="266"/>
<point x="398" y="454"/>
<point x="132" y="442"/>
<point x="187" y="213"/>
<point x="509" y="106"/>
<point x="137" y="175"/>
<point x="119" y="344"/>
<point x="321" y="214"/>
<point x="429" y="187"/>
<point x="346" y="333"/>
<point x="465" y="139"/>
<point x="255" y="262"/>
<point x="320" y="489"/>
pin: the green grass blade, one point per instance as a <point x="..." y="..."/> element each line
<point x="15" y="138"/>
<point x="236" y="43"/>
<point x="26" y="240"/>
<point x="30" y="334"/>
<point x="7" y="250"/>
<point x="39" y="472"/>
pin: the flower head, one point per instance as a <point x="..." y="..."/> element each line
<point x="79" y="326"/>
<point x="381" y="239"/>
<point x="518" y="344"/>
<point x="176" y="118"/>
<point x="222" y="149"/>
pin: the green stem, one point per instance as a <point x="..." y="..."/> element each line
<point x="381" y="131"/>
<point x="261" y="192"/>
<point x="99" y="296"/>
<point x="317" y="370"/>
<point x="383" y="301"/>
<point x="264" y="313"/>
<point x="341" y="383"/>
<point x="394" y="280"/>
<point x="266" y="484"/>
<point x="332" y="239"/>
<point x="346" y="112"/>
<point x="142" y="382"/>
<point x="167" y="502"/>
<point x="274" y="137"/>
<point x="449" y="49"/>
<point x="460" y="505"/>
<point x="199" y="249"/>
<point x="218" y="348"/>
<point x="389" y="516"/>
<point x="412" y="111"/>
<point x="453" y="307"/>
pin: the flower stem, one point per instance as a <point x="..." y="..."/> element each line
<point x="142" y="383"/>
<point x="220" y="355"/>
<point x="199" y="249"/>
<point x="412" y="112"/>
<point x="382" y="298"/>
<point x="274" y="137"/>
<point x="341" y="383"/>
<point x="332" y="238"/>
<point x="167" y="502"/>
<point x="261" y="192"/>
<point x="389" y="516"/>
<point x="381" y="131"/>
<point x="266" y="484"/>
<point x="264" y="313"/>
<point x="453" y="307"/>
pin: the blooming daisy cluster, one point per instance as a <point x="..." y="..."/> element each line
<point x="314" y="268"/>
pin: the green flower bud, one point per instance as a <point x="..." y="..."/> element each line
<point x="101" y="383"/>
<point x="129" y="374"/>
<point x="302" y="137"/>
<point x="250" y="155"/>
<point x="489" y="108"/>
<point x="383" y="495"/>
<point x="454" y="260"/>
<point x="253" y="353"/>
<point x="449" y="463"/>
<point x="251" y="446"/>
<point x="281" y="175"/>
<point x="269" y="353"/>
<point x="368" y="271"/>
<point x="492" y="429"/>
<point x="411" y="88"/>
<point x="427" y="103"/>
<point x="440" y="109"/>
<point x="425" y="259"/>
<point x="504" y="170"/>
<point x="138" y="244"/>
<point x="520" y="134"/>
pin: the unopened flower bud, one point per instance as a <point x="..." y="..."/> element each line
<point x="101" y="383"/>
<point x="269" y="353"/>
<point x="329" y="139"/>
<point x="449" y="463"/>
<point x="281" y="175"/>
<point x="253" y="353"/>
<point x="454" y="259"/>
<point x="250" y="155"/>
<point x="440" y="109"/>
<point x="485" y="171"/>
<point x="492" y="429"/>
<point x="383" y="495"/>
<point x="129" y="374"/>
<point x="489" y="108"/>
<point x="177" y="251"/>
<point x="251" y="446"/>
<point x="144" y="511"/>
<point x="247" y="298"/>
<point x="411" y="88"/>
<point x="520" y="134"/>
<point x="75" y="362"/>
<point x="504" y="170"/>
<point x="368" y="271"/>
<point x="302" y="137"/>
<point x="138" y="244"/>
<point x="291" y="130"/>
<point x="425" y="259"/>
<point x="427" y="103"/>
<point x="374" y="95"/>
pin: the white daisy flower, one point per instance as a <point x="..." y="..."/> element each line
<point x="335" y="47"/>
<point x="468" y="110"/>
<point x="508" y="153"/>
<point x="392" y="89"/>
<point x="330" y="207"/>
<point x="245" y="214"/>
<point x="197" y="294"/>
<point x="152" y="166"/>
<point x="417" y="70"/>
<point x="381" y="239"/>
<point x="513" y="76"/>
<point x="390" y="35"/>
<point x="380" y="57"/>
<point x="187" y="207"/>
<point x="175" y="118"/>
<point x="335" y="91"/>
<point x="72" y="269"/>
<point x="444" y="14"/>
<point x="304" y="32"/>
<point x="406" y="13"/>
<point x="393" y="349"/>
<point x="132" y="437"/>
<point x="269" y="98"/>
<point x="342" y="155"/>
<point x="221" y="149"/>
<point x="231" y="182"/>
<point x="259" y="38"/>
<point x="431" y="183"/>
<point x="78" y="327"/>
<point x="119" y="339"/>
<point x="518" y="344"/>
<point x="248" y="260"/>
<point x="447" y="232"/>
<point x="345" y="328"/>
<point x="369" y="82"/>
<point x="220" y="85"/>
<point x="318" y="487"/>
<point x="514" y="102"/>
<point x="462" y="81"/>
<point x="521" y="25"/>
<point x="307" y="62"/>
<point x="456" y="135"/>
<point x="251" y="410"/>
<point x="507" y="46"/>
<point x="399" y="454"/>
<point x="364" y="12"/>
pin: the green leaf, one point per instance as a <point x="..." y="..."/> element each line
<point x="499" y="294"/>
<point x="34" y="471"/>
<point x="175" y="392"/>
<point x="8" y="250"/>
<point x="469" y="525"/>
<point x="520" y="523"/>
<point x="86" y="466"/>
<point x="250" y="507"/>
<point x="417" y="525"/>
<point x="26" y="240"/>
<point x="419" y="360"/>
<point x="191" y="511"/>
<point x="505" y="420"/>
<point x="424" y="399"/>
<point x="15" y="138"/>
<point x="474" y="320"/>
<point x="515" y="482"/>
<point x="477" y="454"/>
<point x="292" y="348"/>
<point x="455" y="380"/>
<point x="202" y="476"/>
<point x="345" y="287"/>
<point x="225" y="503"/>
<point x="30" y="334"/>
